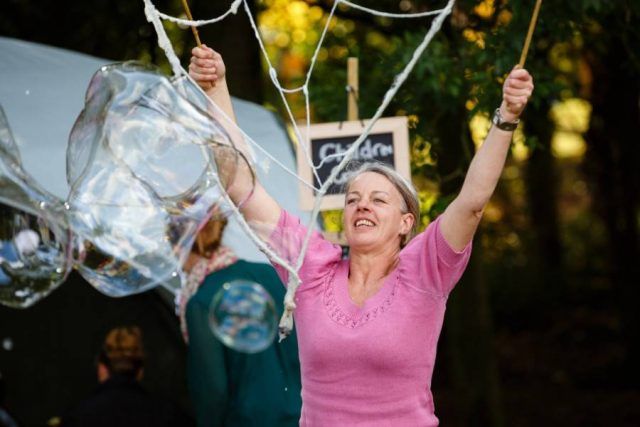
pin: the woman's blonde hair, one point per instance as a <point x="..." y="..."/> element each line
<point x="411" y="203"/>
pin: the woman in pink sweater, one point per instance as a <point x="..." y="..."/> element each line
<point x="368" y="326"/>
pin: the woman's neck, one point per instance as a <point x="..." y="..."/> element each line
<point x="367" y="269"/>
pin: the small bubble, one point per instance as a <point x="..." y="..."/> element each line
<point x="7" y="344"/>
<point x="242" y="316"/>
<point x="286" y="389"/>
<point x="43" y="205"/>
<point x="27" y="92"/>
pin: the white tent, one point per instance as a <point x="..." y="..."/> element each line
<point x="42" y="91"/>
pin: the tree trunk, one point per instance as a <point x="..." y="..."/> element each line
<point x="611" y="163"/>
<point x="468" y="325"/>
<point x="473" y="363"/>
<point x="542" y="195"/>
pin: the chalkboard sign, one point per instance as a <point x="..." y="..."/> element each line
<point x="387" y="143"/>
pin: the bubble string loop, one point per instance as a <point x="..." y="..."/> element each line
<point x="154" y="16"/>
<point x="233" y="9"/>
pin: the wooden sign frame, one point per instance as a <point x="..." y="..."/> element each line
<point x="397" y="127"/>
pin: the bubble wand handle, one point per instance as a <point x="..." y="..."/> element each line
<point x="527" y="42"/>
<point x="194" y="30"/>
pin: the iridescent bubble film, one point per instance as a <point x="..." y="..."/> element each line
<point x="242" y="316"/>
<point x="35" y="255"/>
<point x="147" y="161"/>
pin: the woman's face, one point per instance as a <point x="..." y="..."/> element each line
<point x="373" y="215"/>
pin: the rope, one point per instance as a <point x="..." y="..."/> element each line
<point x="154" y="16"/>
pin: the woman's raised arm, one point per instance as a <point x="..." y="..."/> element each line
<point x="260" y="209"/>
<point x="461" y="218"/>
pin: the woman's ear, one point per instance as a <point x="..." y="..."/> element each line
<point x="407" y="223"/>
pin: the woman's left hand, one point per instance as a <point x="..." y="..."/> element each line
<point x="516" y="91"/>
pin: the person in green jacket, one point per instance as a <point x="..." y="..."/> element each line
<point x="227" y="387"/>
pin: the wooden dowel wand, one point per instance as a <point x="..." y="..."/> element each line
<point x="194" y="30"/>
<point x="527" y="42"/>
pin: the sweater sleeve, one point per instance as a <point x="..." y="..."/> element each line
<point x="287" y="240"/>
<point x="430" y="264"/>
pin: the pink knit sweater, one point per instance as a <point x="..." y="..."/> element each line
<point x="372" y="365"/>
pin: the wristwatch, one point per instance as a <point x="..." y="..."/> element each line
<point x="501" y="124"/>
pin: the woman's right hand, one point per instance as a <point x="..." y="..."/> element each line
<point x="260" y="209"/>
<point x="207" y="67"/>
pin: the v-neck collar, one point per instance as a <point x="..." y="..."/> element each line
<point x="344" y="310"/>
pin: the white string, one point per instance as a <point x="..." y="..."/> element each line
<point x="306" y="143"/>
<point x="274" y="78"/>
<point x="397" y="83"/>
<point x="163" y="41"/>
<point x="154" y="16"/>
<point x="233" y="9"/>
<point x="391" y="15"/>
<point x="235" y="209"/>
<point x="314" y="58"/>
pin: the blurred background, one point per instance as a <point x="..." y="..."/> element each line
<point x="544" y="327"/>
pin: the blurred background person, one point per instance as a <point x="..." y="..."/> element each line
<point x="227" y="387"/>
<point x="119" y="400"/>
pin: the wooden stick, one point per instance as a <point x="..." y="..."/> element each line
<point x="527" y="42"/>
<point x="352" y="81"/>
<point x="194" y="30"/>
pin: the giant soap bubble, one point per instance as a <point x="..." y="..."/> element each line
<point x="147" y="160"/>
<point x="35" y="254"/>
<point x="243" y="316"/>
